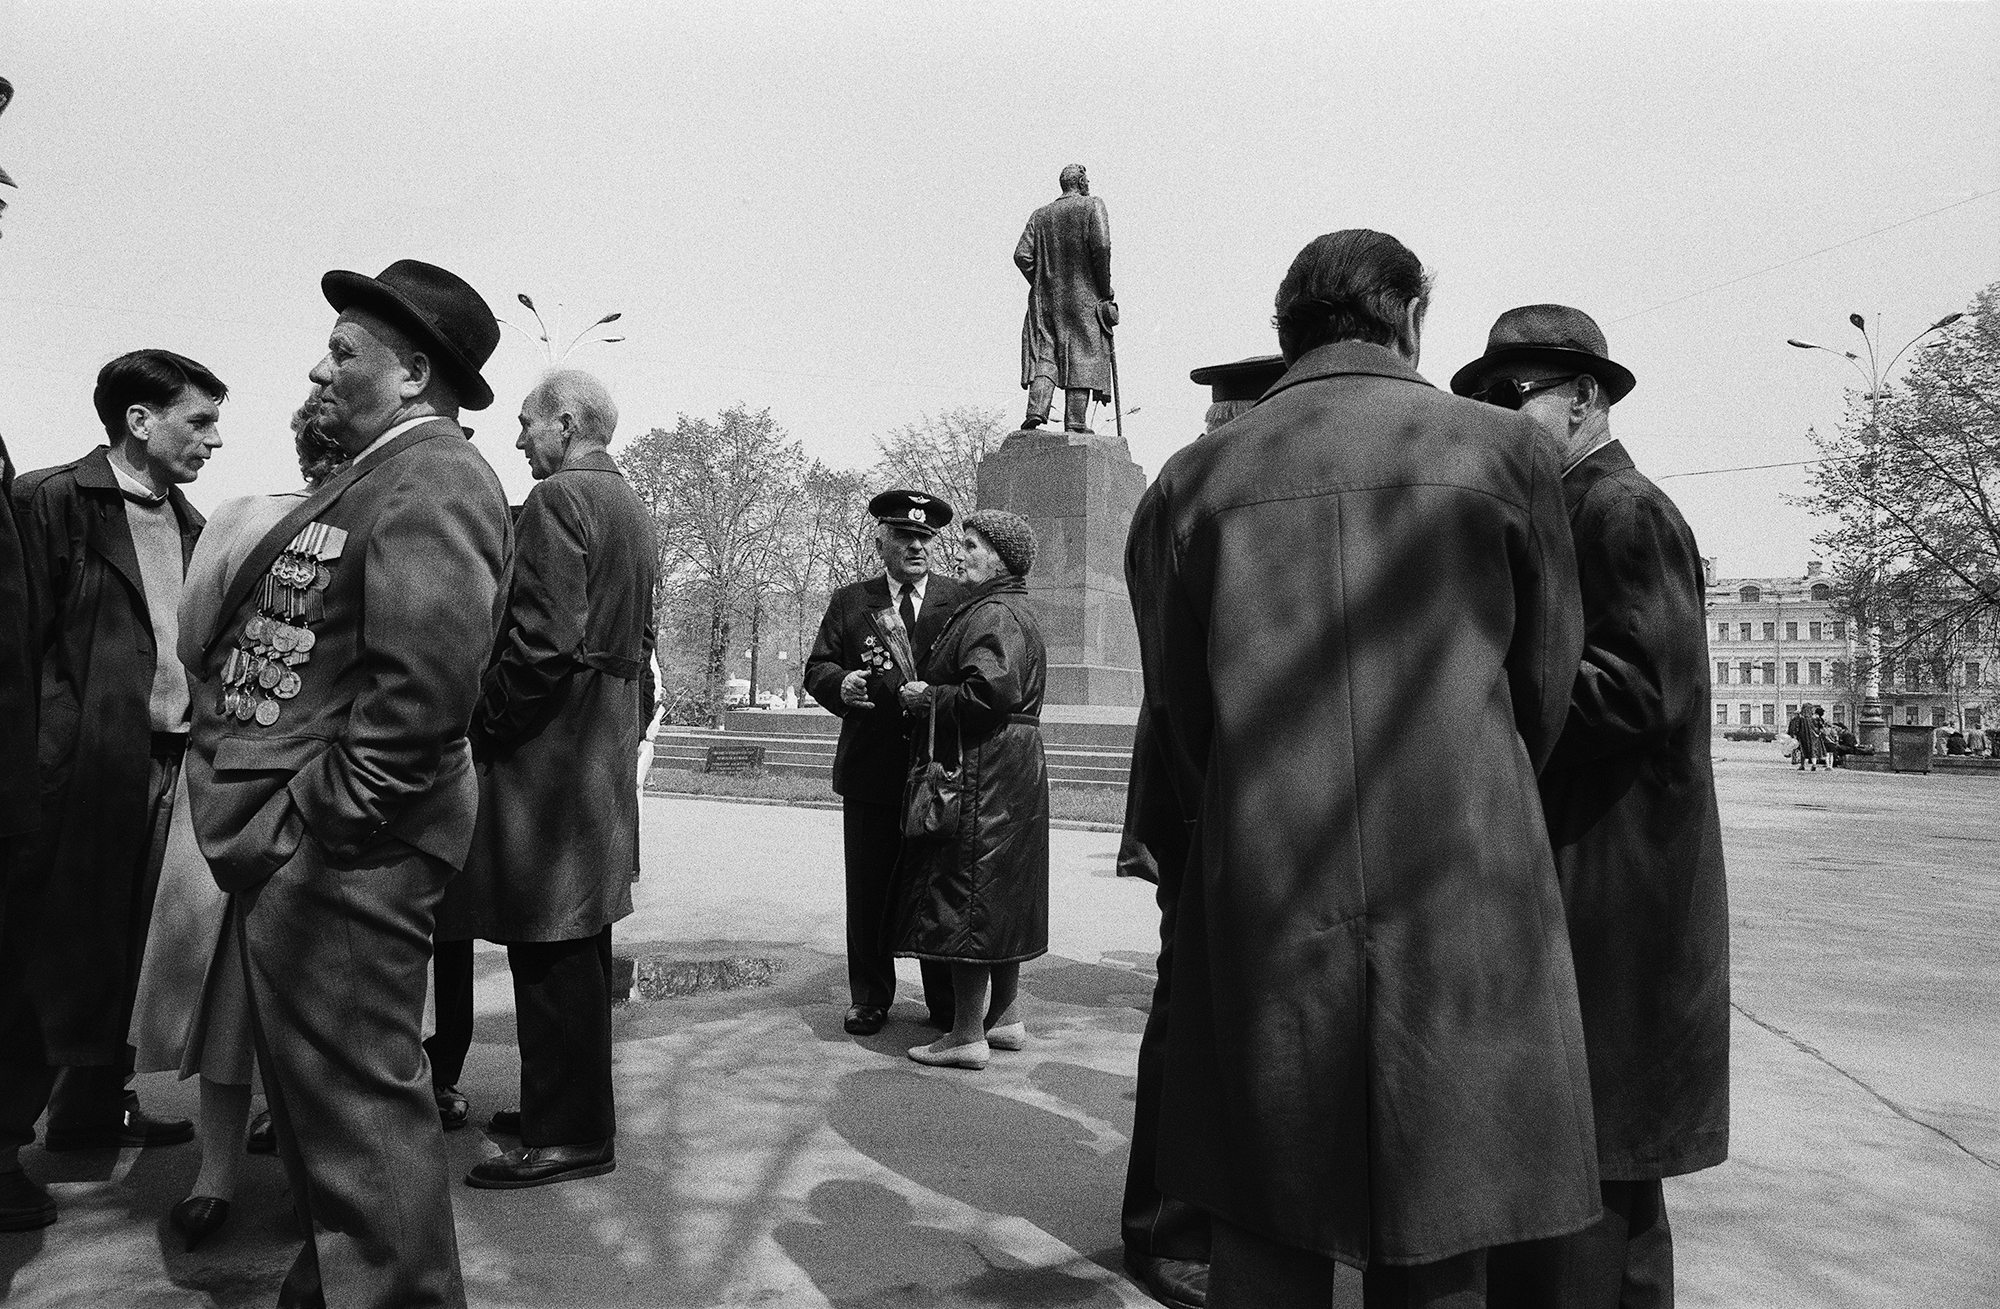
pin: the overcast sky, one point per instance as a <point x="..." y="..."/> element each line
<point x="812" y="207"/>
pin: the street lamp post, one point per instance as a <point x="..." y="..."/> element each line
<point x="1873" y="729"/>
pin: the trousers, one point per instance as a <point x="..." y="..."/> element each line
<point x="1076" y="404"/>
<point x="1250" y="1270"/>
<point x="562" y="1018"/>
<point x="335" y="955"/>
<point x="1623" y="1261"/>
<point x="871" y="838"/>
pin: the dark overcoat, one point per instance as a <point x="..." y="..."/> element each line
<point x="1065" y="253"/>
<point x="78" y="878"/>
<point x="565" y="701"/>
<point x="1630" y="796"/>
<point x="20" y="777"/>
<point x="873" y="754"/>
<point x="1359" y="626"/>
<point x="373" y="745"/>
<point x="981" y="894"/>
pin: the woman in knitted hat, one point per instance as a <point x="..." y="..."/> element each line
<point x="977" y="897"/>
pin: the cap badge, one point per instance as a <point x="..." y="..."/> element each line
<point x="916" y="514"/>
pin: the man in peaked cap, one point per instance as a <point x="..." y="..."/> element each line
<point x="875" y="637"/>
<point x="331" y="781"/>
<point x="1630" y="799"/>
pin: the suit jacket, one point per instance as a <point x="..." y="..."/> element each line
<point x="565" y="700"/>
<point x="873" y="755"/>
<point x="1630" y="796"/>
<point x="373" y="745"/>
<point x="96" y="650"/>
<point x="1359" y="626"/>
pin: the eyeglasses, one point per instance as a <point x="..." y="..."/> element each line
<point x="1511" y="393"/>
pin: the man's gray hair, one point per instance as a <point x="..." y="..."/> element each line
<point x="576" y="393"/>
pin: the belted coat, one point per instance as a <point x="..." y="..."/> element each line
<point x="1359" y="625"/>
<point x="77" y="879"/>
<point x="980" y="894"/>
<point x="566" y="698"/>
<point x="1630" y="797"/>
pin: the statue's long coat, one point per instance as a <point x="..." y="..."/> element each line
<point x="1065" y="253"/>
<point x="1630" y="795"/>
<point x="1359" y="625"/>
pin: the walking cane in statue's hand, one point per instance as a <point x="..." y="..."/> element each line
<point x="1107" y="316"/>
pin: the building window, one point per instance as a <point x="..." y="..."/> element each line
<point x="1722" y="715"/>
<point x="1910" y="716"/>
<point x="1972" y="720"/>
<point x="1839" y="629"/>
<point x="1791" y="712"/>
<point x="1743" y="671"/>
<point x="1972" y="672"/>
<point x="1822" y="592"/>
<point x="1888" y="672"/>
<point x="1972" y="629"/>
<point x="1812" y="674"/>
<point x="1770" y="674"/>
<point x="1749" y="595"/>
<point x="1791" y="631"/>
<point x="1722" y="631"/>
<point x="1770" y="631"/>
<point x="1770" y="715"/>
<point x="1791" y="674"/>
<point x="1839" y="673"/>
<point x="1721" y="673"/>
<point x="1743" y="631"/>
<point x="1818" y="631"/>
<point x="1915" y="676"/>
<point x="1937" y="716"/>
<point x="1745" y="720"/>
<point x="1840" y="713"/>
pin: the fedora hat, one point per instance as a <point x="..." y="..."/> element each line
<point x="437" y="306"/>
<point x="1546" y="334"/>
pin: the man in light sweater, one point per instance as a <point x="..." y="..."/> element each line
<point x="105" y="542"/>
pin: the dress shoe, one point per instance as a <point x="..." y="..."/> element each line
<point x="973" y="1054"/>
<point x="507" y="1122"/>
<point x="1182" y="1283"/>
<point x="24" y="1205"/>
<point x="865" y="1019"/>
<point x="263" y="1137"/>
<point x="132" y="1128"/>
<point x="197" y="1216"/>
<point x="454" y="1110"/>
<point x="541" y="1165"/>
<point x="1014" y="1036"/>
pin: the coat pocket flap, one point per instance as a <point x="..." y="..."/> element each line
<point x="277" y="754"/>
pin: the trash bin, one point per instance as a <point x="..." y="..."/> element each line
<point x="1909" y="748"/>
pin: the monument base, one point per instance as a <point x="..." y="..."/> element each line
<point x="1078" y="491"/>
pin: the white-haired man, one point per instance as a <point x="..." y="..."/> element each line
<point x="566" y="697"/>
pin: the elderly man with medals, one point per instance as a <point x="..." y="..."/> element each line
<point x="875" y="636"/>
<point x="331" y="781"/>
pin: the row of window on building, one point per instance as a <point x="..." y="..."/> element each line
<point x="1915" y="675"/>
<point x="1766" y="715"/>
<point x="1833" y="631"/>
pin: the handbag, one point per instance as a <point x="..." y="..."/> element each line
<point x="930" y="798"/>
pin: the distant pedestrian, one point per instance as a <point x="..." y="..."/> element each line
<point x="107" y="540"/>
<point x="874" y="637"/>
<point x="1800" y="730"/>
<point x="1820" y="737"/>
<point x="976" y="898"/>
<point x="1630" y="797"/>
<point x="567" y="694"/>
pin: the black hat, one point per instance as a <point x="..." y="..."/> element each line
<point x="912" y="510"/>
<point x="1546" y="334"/>
<point x="1246" y="379"/>
<point x="440" y="307"/>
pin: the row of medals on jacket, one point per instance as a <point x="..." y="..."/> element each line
<point x="259" y="672"/>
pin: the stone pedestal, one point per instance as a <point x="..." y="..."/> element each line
<point x="1078" y="492"/>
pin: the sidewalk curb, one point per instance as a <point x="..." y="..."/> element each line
<point x="1060" y="824"/>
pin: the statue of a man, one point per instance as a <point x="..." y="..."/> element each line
<point x="1065" y="253"/>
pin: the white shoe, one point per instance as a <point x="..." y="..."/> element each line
<point x="973" y="1054"/>
<point x="1014" y="1036"/>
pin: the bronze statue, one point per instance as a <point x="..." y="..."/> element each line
<point x="1065" y="253"/>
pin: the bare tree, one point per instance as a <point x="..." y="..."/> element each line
<point x="719" y="492"/>
<point x="939" y="454"/>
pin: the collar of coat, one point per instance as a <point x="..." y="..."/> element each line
<point x="1593" y="468"/>
<point x="1343" y="359"/>
<point x="590" y="461"/>
<point x="94" y="472"/>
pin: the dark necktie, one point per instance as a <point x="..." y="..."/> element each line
<point x="909" y="613"/>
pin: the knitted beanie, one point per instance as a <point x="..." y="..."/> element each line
<point x="1009" y="535"/>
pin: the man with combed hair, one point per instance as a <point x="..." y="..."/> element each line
<point x="107" y="540"/>
<point x="1630" y="797"/>
<point x="332" y="784"/>
<point x="1373" y="1054"/>
<point x="566" y="697"/>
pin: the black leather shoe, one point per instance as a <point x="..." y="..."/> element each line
<point x="132" y="1128"/>
<point x="1181" y="1283"/>
<point x="197" y="1216"/>
<point x="507" y="1122"/>
<point x="540" y="1165"/>
<point x="24" y="1205"/>
<point x="454" y="1110"/>
<point x="263" y="1138"/>
<point x="865" y="1019"/>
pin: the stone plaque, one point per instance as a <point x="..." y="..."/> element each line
<point x="729" y="760"/>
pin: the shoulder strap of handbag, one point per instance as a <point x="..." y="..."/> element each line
<point x="931" y="745"/>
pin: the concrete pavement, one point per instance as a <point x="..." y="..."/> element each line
<point x="767" y="1158"/>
